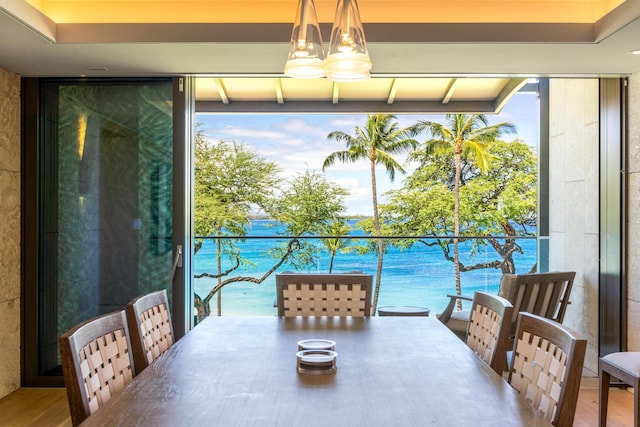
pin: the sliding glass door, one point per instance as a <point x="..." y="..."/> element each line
<point x="99" y="176"/>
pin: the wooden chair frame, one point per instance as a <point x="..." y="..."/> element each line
<point x="330" y="294"/>
<point x="546" y="367"/>
<point x="543" y="294"/>
<point x="622" y="365"/>
<point x="96" y="362"/>
<point x="151" y="329"/>
<point x="488" y="329"/>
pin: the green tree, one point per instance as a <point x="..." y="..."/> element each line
<point x="467" y="136"/>
<point x="307" y="203"/>
<point x="307" y="206"/>
<point x="338" y="227"/>
<point x="500" y="202"/>
<point x="378" y="141"/>
<point x="230" y="183"/>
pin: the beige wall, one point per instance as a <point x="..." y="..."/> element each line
<point x="573" y="204"/>
<point x="9" y="232"/>
<point x="633" y="215"/>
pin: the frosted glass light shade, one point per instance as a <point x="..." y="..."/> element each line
<point x="305" y="68"/>
<point x="306" y="53"/>
<point x="347" y="58"/>
<point x="348" y="67"/>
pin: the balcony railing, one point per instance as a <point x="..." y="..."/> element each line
<point x="416" y="275"/>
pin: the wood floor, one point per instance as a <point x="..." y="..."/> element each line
<point x="48" y="407"/>
<point x="35" y="407"/>
<point x="620" y="411"/>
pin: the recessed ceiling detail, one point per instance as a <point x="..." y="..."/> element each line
<point x="379" y="94"/>
<point x="252" y="11"/>
<point x="524" y="38"/>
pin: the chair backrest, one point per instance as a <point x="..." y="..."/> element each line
<point x="544" y="294"/>
<point x="546" y="367"/>
<point x="96" y="363"/>
<point x="150" y="325"/>
<point x="488" y="329"/>
<point x="332" y="294"/>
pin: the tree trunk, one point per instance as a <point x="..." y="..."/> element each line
<point x="456" y="226"/>
<point x="509" y="266"/>
<point x="376" y="220"/>
<point x="202" y="307"/>
<point x="219" y="261"/>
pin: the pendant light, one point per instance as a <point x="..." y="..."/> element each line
<point x="306" y="53"/>
<point x="347" y="58"/>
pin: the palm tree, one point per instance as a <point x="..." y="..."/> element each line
<point x="468" y="137"/>
<point x="377" y="141"/>
<point x="337" y="227"/>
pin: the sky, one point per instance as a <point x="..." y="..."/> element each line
<point x="297" y="142"/>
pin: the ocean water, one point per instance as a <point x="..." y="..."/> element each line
<point x="417" y="276"/>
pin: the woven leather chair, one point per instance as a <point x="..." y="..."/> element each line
<point x="96" y="363"/>
<point x="546" y="367"/>
<point x="333" y="294"/>
<point x="544" y="294"/>
<point x="151" y="328"/>
<point x="488" y="329"/>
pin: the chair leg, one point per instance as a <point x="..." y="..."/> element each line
<point x="603" y="399"/>
<point x="636" y="402"/>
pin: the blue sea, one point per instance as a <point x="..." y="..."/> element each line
<point x="418" y="276"/>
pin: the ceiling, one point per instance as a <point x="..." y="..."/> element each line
<point x="379" y="94"/>
<point x="95" y="11"/>
<point x="427" y="55"/>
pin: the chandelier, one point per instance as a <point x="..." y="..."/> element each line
<point x="347" y="59"/>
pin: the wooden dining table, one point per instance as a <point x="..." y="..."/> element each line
<point x="391" y="371"/>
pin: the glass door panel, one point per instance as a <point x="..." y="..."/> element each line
<point x="105" y="201"/>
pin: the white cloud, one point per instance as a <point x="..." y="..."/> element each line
<point x="354" y="186"/>
<point x="247" y="133"/>
<point x="347" y="123"/>
<point x="300" y="126"/>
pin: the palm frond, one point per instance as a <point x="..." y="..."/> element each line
<point x="390" y="163"/>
